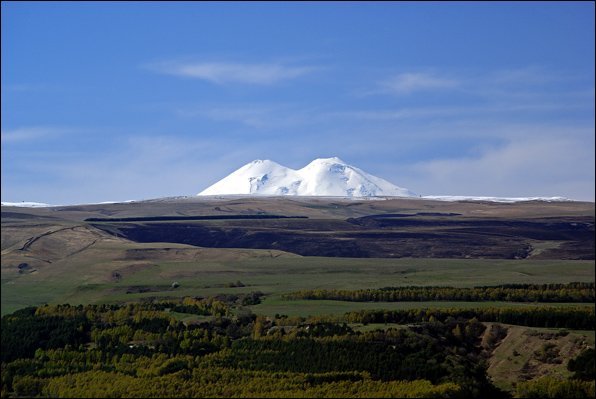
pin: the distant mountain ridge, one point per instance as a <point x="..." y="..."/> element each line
<point x="321" y="177"/>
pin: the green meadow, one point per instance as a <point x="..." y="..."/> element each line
<point x="254" y="270"/>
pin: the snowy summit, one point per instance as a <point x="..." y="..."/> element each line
<point x="321" y="177"/>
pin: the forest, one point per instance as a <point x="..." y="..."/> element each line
<point x="143" y="349"/>
<point x="569" y="292"/>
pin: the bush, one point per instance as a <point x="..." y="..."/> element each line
<point x="548" y="387"/>
<point x="584" y="365"/>
<point x="27" y="386"/>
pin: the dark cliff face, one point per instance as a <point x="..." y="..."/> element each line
<point x="384" y="236"/>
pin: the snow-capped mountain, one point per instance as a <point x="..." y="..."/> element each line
<point x="321" y="177"/>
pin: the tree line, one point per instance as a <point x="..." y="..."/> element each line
<point x="572" y="317"/>
<point x="571" y="292"/>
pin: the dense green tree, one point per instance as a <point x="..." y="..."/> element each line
<point x="584" y="365"/>
<point x="141" y="350"/>
<point x="571" y="292"/>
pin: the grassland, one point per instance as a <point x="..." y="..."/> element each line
<point x="54" y="256"/>
<point x="51" y="255"/>
<point x="134" y="271"/>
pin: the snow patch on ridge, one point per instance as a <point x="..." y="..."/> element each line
<point x="494" y="199"/>
<point x="25" y="204"/>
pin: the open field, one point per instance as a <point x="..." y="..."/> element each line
<point x="134" y="271"/>
<point x="393" y="228"/>
<point x="53" y="255"/>
<point x="189" y="247"/>
<point x="312" y="207"/>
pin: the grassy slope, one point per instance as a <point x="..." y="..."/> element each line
<point x="70" y="261"/>
<point x="88" y="276"/>
<point x="515" y="358"/>
<point x="77" y="264"/>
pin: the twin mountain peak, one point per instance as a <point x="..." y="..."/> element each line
<point x="321" y="177"/>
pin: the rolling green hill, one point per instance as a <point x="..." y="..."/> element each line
<point x="253" y="252"/>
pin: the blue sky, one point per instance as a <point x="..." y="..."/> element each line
<point x="106" y="101"/>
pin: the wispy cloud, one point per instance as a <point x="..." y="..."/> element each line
<point x="406" y="83"/>
<point x="527" y="108"/>
<point x="521" y="83"/>
<point x="226" y="72"/>
<point x="258" y="116"/>
<point x="253" y="116"/>
<point x="405" y="113"/>
<point x="552" y="166"/>
<point x="530" y="75"/>
<point x="24" y="134"/>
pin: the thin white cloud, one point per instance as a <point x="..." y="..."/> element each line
<point x="133" y="168"/>
<point x="258" y="116"/>
<point x="24" y="134"/>
<point x="396" y="114"/>
<point x="550" y="166"/>
<point x="527" y="108"/>
<point x="521" y="84"/>
<point x="224" y="72"/>
<point x="406" y="83"/>
<point x="253" y="116"/>
<point x="531" y="75"/>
